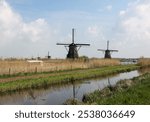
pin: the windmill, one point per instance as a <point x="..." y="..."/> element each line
<point x="107" y="51"/>
<point x="73" y="47"/>
<point x="48" y="56"/>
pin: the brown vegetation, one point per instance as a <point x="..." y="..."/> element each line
<point x="23" y="66"/>
<point x="144" y="62"/>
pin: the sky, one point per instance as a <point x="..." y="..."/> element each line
<point x="31" y="28"/>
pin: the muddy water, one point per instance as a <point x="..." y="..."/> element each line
<point x="56" y="95"/>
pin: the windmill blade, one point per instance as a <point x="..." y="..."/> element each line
<point x="100" y="50"/>
<point x="62" y="44"/>
<point x="113" y="50"/>
<point x="82" y="44"/>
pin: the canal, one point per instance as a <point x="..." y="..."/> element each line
<point x="57" y="95"/>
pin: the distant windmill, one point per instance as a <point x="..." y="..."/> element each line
<point x="48" y="56"/>
<point x="73" y="47"/>
<point x="107" y="51"/>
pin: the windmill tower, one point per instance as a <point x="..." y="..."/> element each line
<point x="73" y="47"/>
<point x="107" y="51"/>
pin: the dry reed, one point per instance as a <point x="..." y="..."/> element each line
<point x="144" y="62"/>
<point x="22" y="66"/>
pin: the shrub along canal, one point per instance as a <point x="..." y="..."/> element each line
<point x="58" y="94"/>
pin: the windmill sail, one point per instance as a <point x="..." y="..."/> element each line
<point x="83" y="44"/>
<point x="113" y="50"/>
<point x="62" y="44"/>
<point x="100" y="50"/>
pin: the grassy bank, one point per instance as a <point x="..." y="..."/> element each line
<point x="62" y="77"/>
<point x="127" y="92"/>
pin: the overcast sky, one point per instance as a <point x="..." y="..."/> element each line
<point x="31" y="28"/>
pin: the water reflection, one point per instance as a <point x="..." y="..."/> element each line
<point x="76" y="87"/>
<point x="55" y="95"/>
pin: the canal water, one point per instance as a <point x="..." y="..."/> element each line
<point x="57" y="95"/>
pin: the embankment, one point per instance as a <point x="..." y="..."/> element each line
<point x="62" y="77"/>
<point x="127" y="92"/>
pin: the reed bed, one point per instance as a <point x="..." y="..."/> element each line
<point x="23" y="66"/>
<point x="144" y="62"/>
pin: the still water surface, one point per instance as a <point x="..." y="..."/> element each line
<point x="56" y="95"/>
